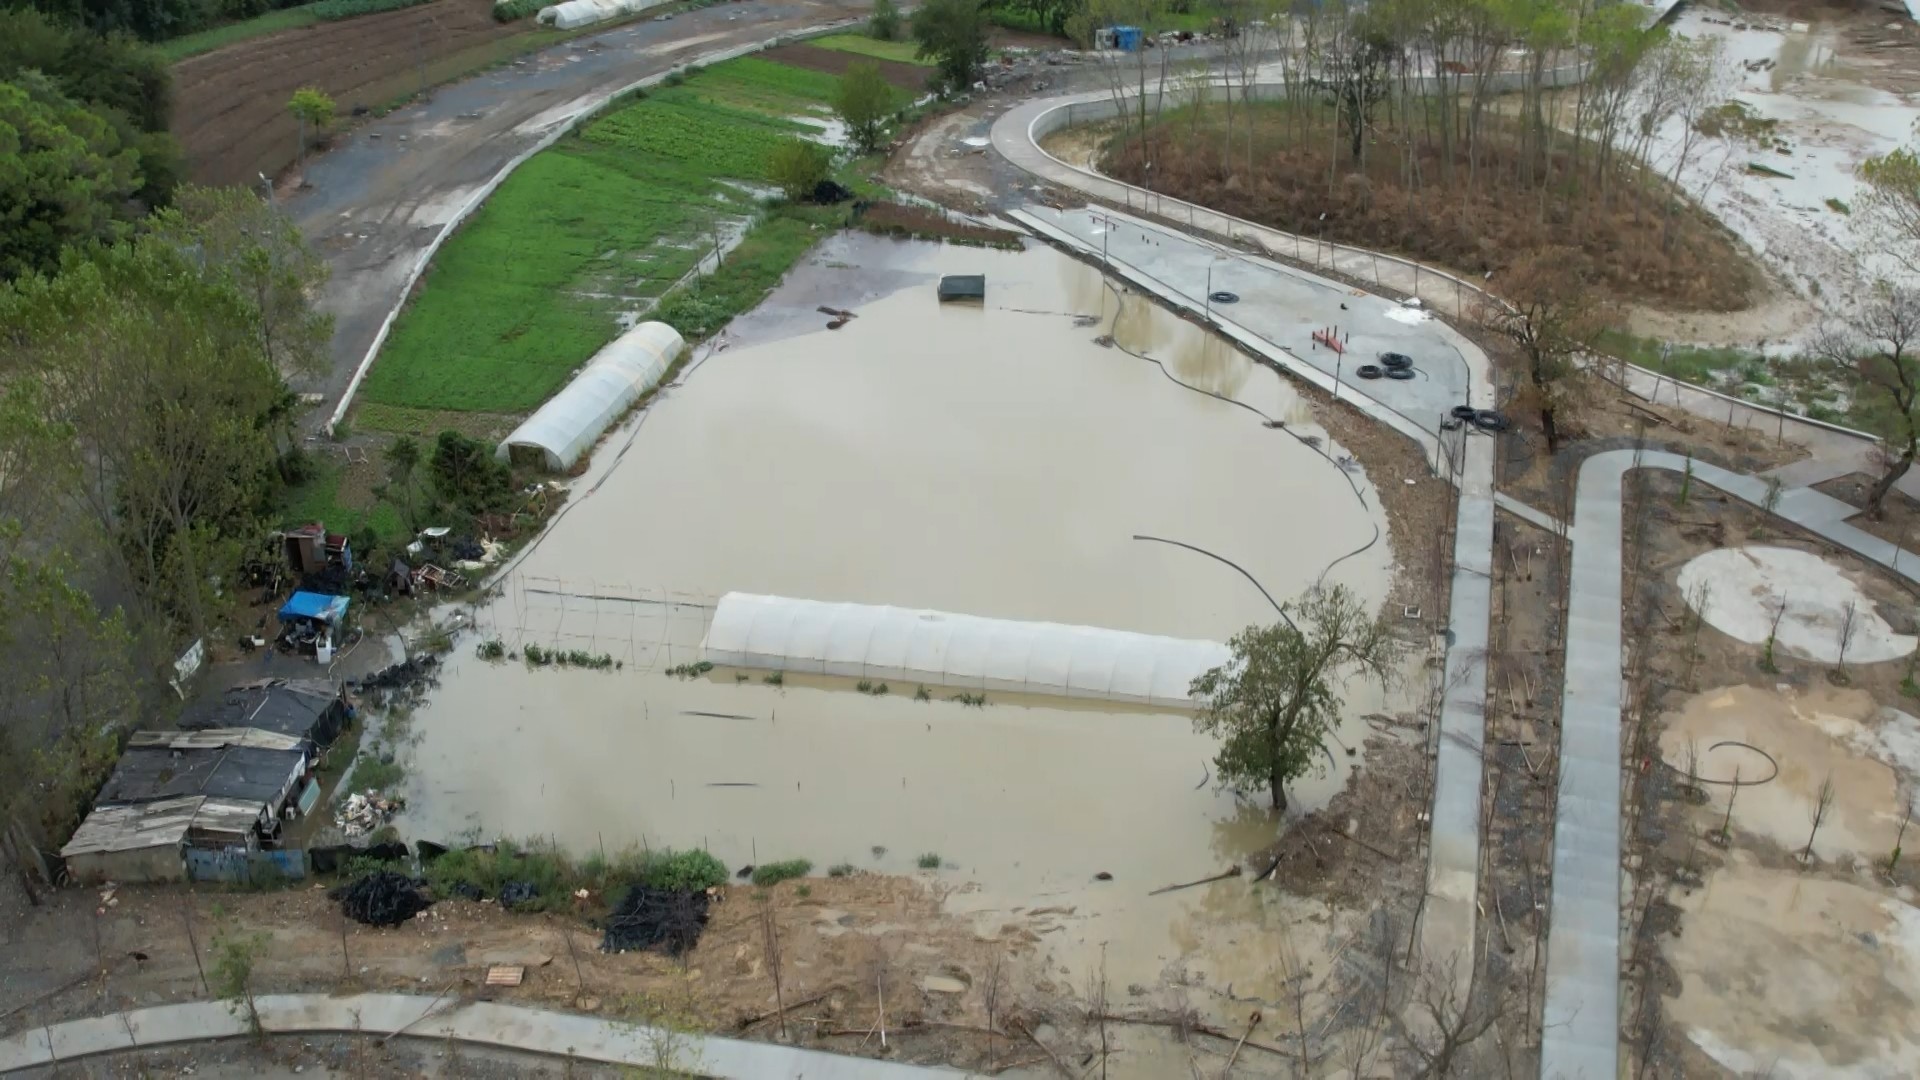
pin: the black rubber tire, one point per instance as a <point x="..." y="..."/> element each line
<point x="1222" y="296"/>
<point x="1400" y="374"/>
<point x="1369" y="371"/>
<point x="1489" y="420"/>
<point x="1463" y="412"/>
<point x="1394" y="361"/>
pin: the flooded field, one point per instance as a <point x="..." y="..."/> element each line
<point x="988" y="459"/>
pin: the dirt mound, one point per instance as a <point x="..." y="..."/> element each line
<point x="230" y="105"/>
<point x="834" y="62"/>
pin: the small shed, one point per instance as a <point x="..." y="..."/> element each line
<point x="963" y="287"/>
<point x="261" y="776"/>
<point x="141" y="842"/>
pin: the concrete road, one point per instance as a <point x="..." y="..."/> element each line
<point x="382" y="195"/>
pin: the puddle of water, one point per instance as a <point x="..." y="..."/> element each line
<point x="987" y="459"/>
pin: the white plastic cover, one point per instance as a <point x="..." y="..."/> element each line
<point x="572" y="420"/>
<point x="866" y="641"/>
<point x="587" y="12"/>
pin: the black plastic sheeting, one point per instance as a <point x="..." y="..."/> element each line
<point x="518" y="894"/>
<point x="381" y="899"/>
<point x="657" y="919"/>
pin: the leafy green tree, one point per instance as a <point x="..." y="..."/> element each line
<point x="467" y="476"/>
<point x="403" y="463"/>
<point x="863" y="102"/>
<point x="314" y="109"/>
<point x="234" y="955"/>
<point x="1878" y="352"/>
<point x="798" y="166"/>
<point x="1892" y="202"/>
<point x="64" y="177"/>
<point x="953" y="34"/>
<point x="1273" y="703"/>
<point x="884" y="23"/>
<point x="113" y="71"/>
<point x="152" y="354"/>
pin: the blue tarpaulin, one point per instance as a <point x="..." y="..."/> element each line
<point x="309" y="605"/>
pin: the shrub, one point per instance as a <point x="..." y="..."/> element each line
<point x="884" y="23"/>
<point x="929" y="861"/>
<point x="844" y="869"/>
<point x="774" y="873"/>
<point x="507" y="11"/>
<point x="798" y="166"/>
<point x="682" y="871"/>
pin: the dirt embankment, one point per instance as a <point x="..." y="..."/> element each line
<point x="230" y="105"/>
<point x="1638" y="250"/>
<point x="840" y="940"/>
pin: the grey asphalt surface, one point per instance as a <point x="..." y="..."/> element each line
<point x="377" y="199"/>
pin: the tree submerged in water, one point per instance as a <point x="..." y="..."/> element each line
<point x="1273" y="703"/>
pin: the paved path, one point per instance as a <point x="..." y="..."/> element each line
<point x="514" y="1027"/>
<point x="1278" y="308"/>
<point x="1580" y="1037"/>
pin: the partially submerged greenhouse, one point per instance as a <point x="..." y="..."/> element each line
<point x="911" y="646"/>
<point x="574" y="419"/>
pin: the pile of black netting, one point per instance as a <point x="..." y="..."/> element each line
<point x="668" y="922"/>
<point x="515" y="895"/>
<point x="382" y="898"/>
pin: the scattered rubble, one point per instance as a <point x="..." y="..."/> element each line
<point x="362" y="814"/>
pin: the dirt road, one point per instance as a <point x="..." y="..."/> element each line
<point x="386" y="190"/>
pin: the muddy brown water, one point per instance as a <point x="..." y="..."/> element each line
<point x="988" y="459"/>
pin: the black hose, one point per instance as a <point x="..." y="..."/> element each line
<point x="1119" y="299"/>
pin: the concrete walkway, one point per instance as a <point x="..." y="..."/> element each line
<point x="1278" y="308"/>
<point x="1581" y="1015"/>
<point x="513" y="1027"/>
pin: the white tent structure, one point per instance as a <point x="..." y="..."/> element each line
<point x="939" y="649"/>
<point x="575" y="13"/>
<point x="573" y="420"/>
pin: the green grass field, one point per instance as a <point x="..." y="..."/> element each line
<point x="319" y="499"/>
<point x="531" y="286"/>
<point x="899" y="51"/>
<point x="208" y="40"/>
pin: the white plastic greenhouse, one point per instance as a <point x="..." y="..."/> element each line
<point x="575" y="13"/>
<point x="572" y="420"/>
<point x="915" y="646"/>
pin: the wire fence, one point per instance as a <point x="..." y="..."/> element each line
<point x="643" y="627"/>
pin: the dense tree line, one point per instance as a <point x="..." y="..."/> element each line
<point x="145" y="438"/>
<point x="148" y="20"/>
<point x="83" y="128"/>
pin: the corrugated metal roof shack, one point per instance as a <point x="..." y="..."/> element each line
<point x="222" y="789"/>
<point x="311" y="709"/>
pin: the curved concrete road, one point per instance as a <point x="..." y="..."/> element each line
<point x="376" y="202"/>
<point x="1581" y="1015"/>
<point x="562" y="1035"/>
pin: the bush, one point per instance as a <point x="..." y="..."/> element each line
<point x="543" y="866"/>
<point x="798" y="166"/>
<point x="466" y="475"/>
<point x="929" y="861"/>
<point x="507" y="11"/>
<point x="333" y="10"/>
<point x="884" y="23"/>
<point x="774" y="873"/>
<point x="682" y="871"/>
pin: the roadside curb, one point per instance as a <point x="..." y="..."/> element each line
<point x="510" y="1027"/>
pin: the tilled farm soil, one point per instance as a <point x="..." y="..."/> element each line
<point x="230" y="105"/>
<point x="910" y="77"/>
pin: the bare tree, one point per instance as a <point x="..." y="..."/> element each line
<point x="770" y="950"/>
<point x="1779" y="605"/>
<point x="1553" y="317"/>
<point x="1446" y="1016"/>
<point x="1725" y="833"/>
<point x="1821" y="804"/>
<point x="1893" y="858"/>
<point x="1849" y="623"/>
